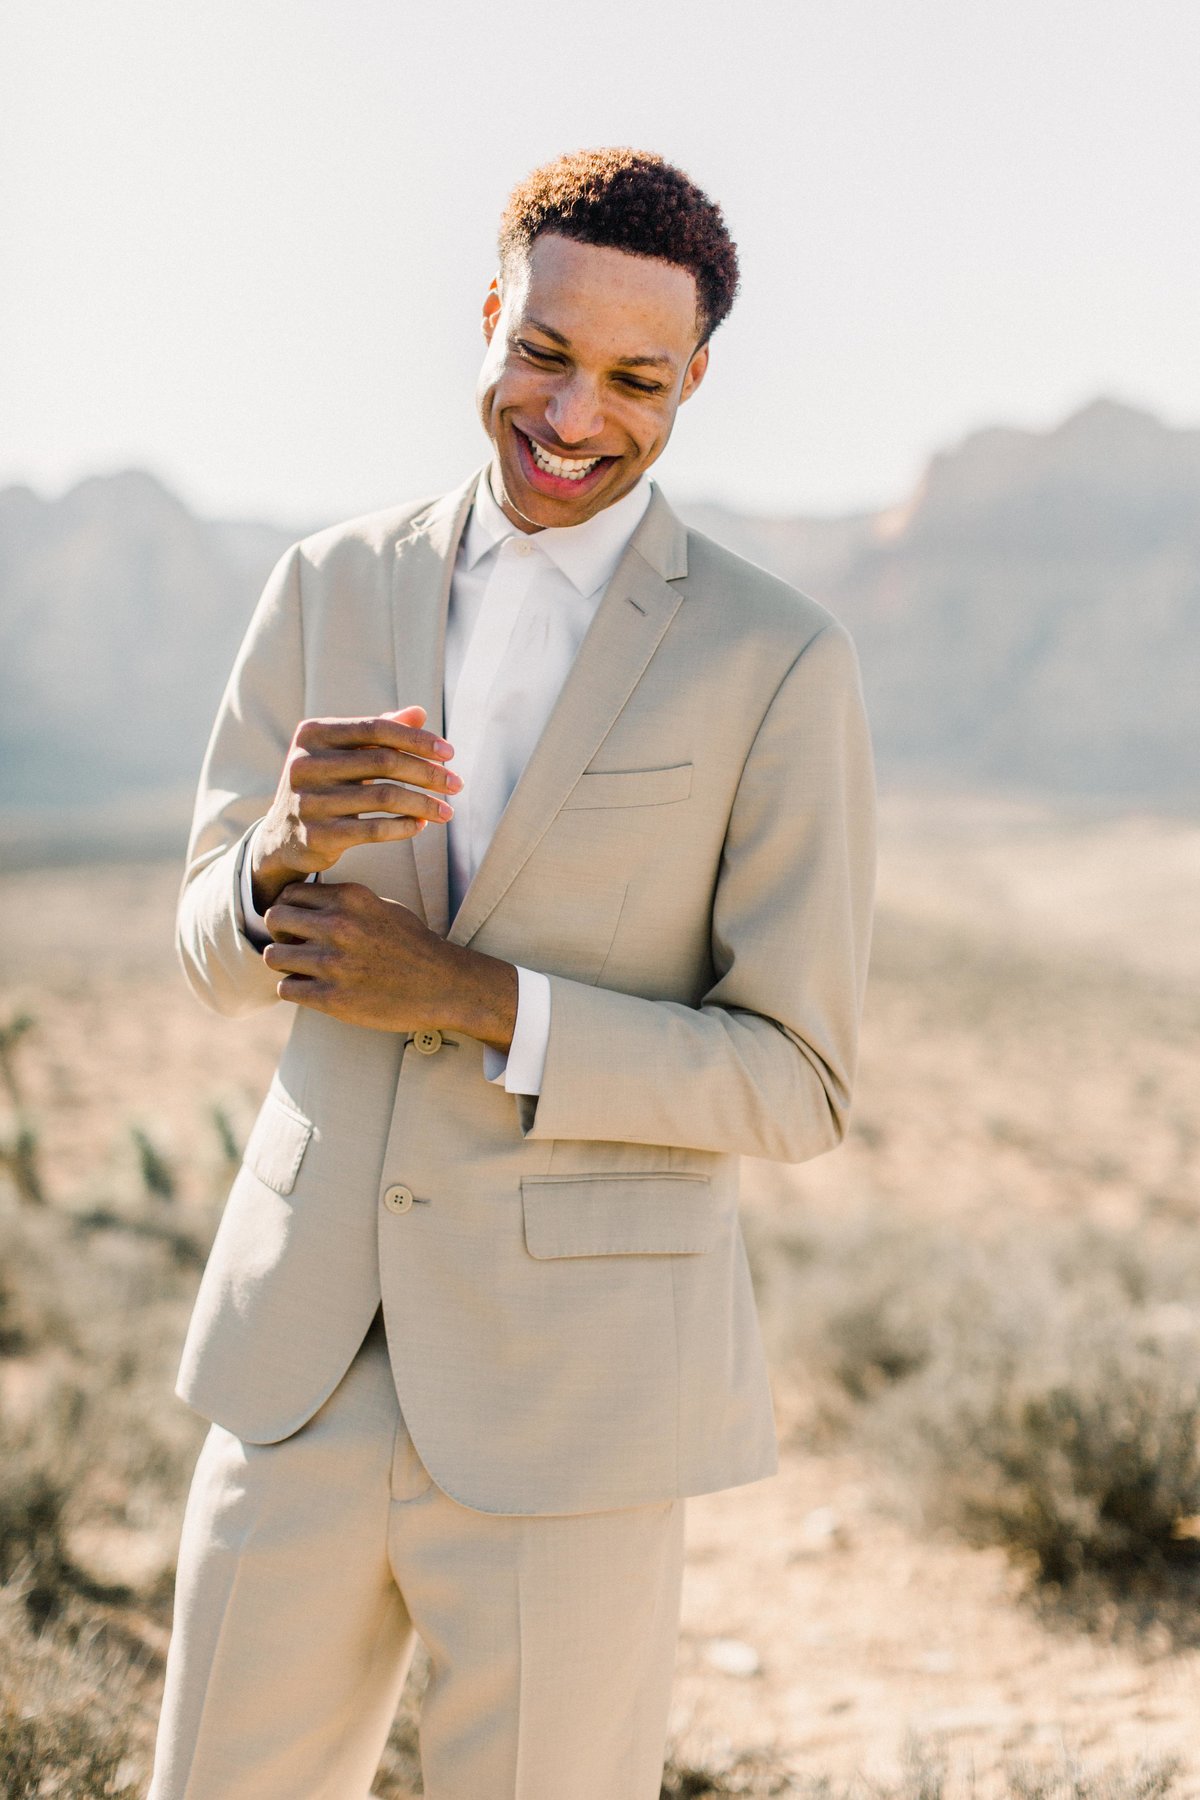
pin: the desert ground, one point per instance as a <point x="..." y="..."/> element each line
<point x="975" y="1572"/>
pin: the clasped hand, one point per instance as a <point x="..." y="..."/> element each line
<point x="336" y="771"/>
<point x="338" y="947"/>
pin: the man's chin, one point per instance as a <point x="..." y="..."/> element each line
<point x="545" y="511"/>
<point x="560" y="513"/>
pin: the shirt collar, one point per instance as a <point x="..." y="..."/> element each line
<point x="586" y="554"/>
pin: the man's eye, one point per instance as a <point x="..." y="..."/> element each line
<point x="641" y="387"/>
<point x="535" y="352"/>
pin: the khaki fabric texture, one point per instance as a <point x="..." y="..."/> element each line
<point x="689" y="857"/>
<point x="304" y="1570"/>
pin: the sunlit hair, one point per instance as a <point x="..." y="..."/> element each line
<point x="627" y="200"/>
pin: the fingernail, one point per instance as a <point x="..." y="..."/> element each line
<point x="444" y="811"/>
<point x="453" y="782"/>
<point x="442" y="747"/>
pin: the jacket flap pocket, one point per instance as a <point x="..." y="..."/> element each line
<point x="276" y="1145"/>
<point x="631" y="787"/>
<point x="619" y="1215"/>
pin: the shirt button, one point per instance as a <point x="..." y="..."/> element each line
<point x="398" y="1199"/>
<point x="427" y="1042"/>
<point x="523" y="547"/>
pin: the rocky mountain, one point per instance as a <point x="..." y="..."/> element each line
<point x="119" y="615"/>
<point x="1029" y="618"/>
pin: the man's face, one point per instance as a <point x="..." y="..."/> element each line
<point x="590" y="353"/>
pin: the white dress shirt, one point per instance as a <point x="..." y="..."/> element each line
<point x="520" y="606"/>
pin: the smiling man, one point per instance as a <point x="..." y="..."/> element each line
<point x="552" y="821"/>
<point x="577" y="410"/>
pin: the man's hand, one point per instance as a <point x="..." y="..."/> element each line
<point x="342" y="950"/>
<point x="337" y="769"/>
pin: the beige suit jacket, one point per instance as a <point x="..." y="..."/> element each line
<point x="689" y="857"/>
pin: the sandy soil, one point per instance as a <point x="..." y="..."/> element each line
<point x="866" y="1635"/>
<point x="1030" y="1045"/>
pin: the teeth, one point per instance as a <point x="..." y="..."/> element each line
<point x="567" y="468"/>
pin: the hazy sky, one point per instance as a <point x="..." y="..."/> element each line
<point x="245" y="242"/>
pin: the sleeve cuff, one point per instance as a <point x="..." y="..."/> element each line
<point x="253" y="923"/>
<point x="519" y="1069"/>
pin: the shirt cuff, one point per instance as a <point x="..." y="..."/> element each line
<point x="520" y="1067"/>
<point x="253" y="922"/>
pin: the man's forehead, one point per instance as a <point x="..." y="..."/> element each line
<point x="570" y="292"/>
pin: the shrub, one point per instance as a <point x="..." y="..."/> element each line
<point x="1152" y="1780"/>
<point x="1040" y="1395"/>
<point x="20" y="1155"/>
<point x="35" y="1312"/>
<point x="157" y="1171"/>
<point x="11" y="1034"/>
<point x="925" y="1775"/>
<point x="12" y="1326"/>
<point x="747" y="1777"/>
<point x="34" y="1489"/>
<point x="60" y="1753"/>
<point x="1075" y="1443"/>
<point x="64" y="1705"/>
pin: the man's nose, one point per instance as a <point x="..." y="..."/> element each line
<point x="573" y="411"/>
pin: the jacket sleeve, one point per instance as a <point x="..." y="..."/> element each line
<point x="261" y="707"/>
<point x="764" y="1065"/>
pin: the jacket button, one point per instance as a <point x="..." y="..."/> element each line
<point x="398" y="1199"/>
<point x="427" y="1042"/>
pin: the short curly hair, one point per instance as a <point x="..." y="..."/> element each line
<point x="628" y="200"/>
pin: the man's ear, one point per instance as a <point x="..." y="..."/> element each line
<point x="491" y="308"/>
<point x="694" y="373"/>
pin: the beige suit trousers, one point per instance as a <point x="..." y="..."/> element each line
<point x="308" y="1567"/>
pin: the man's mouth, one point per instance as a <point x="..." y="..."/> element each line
<point x="567" y="468"/>
<point x="572" y="471"/>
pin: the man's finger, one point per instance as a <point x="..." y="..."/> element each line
<point x="355" y="798"/>
<point x="296" y="959"/>
<point x="293" y="921"/>
<point x="303" y="992"/>
<point x="317" y="896"/>
<point x="375" y="828"/>
<point x="345" y="734"/>
<point x="313" y="895"/>
<point x="317" y="771"/>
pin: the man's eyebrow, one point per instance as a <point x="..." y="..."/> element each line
<point x="548" y="331"/>
<point x="620" y="362"/>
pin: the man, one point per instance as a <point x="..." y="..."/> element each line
<point x="595" y="797"/>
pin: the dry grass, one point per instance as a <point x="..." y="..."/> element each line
<point x="1043" y="1394"/>
<point x="64" y="1707"/>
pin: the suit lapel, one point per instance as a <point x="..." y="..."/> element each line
<point x="629" y="625"/>
<point x="421" y="575"/>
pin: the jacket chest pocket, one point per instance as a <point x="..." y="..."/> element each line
<point x="630" y="787"/>
<point x="652" y="1214"/>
